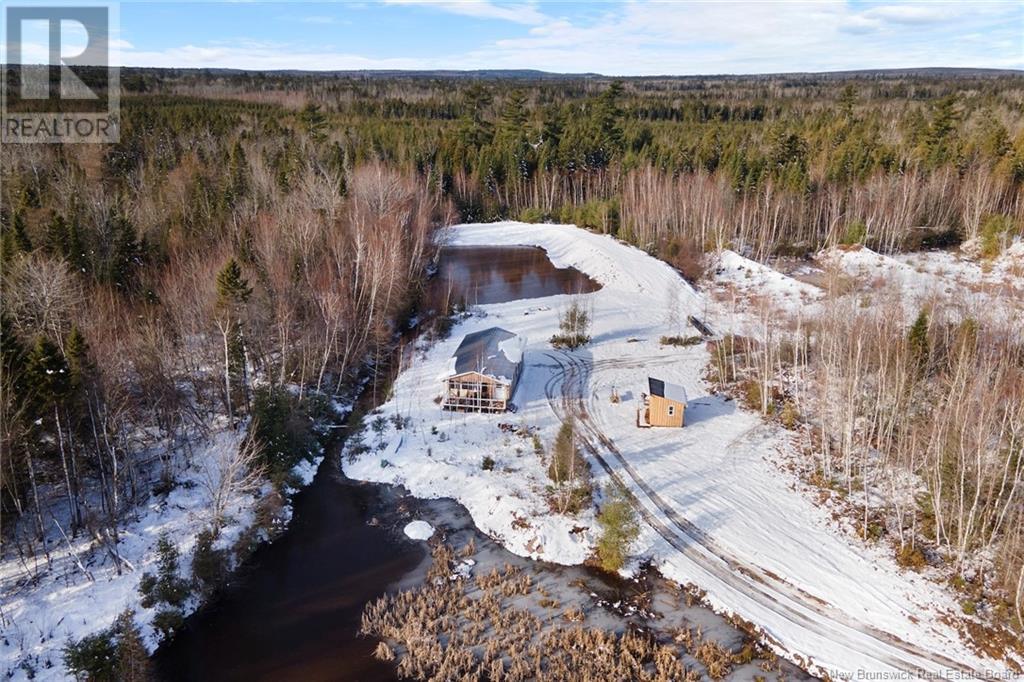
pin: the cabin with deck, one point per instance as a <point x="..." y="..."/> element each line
<point x="664" y="405"/>
<point x="484" y="371"/>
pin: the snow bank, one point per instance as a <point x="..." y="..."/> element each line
<point x="757" y="279"/>
<point x="996" y="286"/>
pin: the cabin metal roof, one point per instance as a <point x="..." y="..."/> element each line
<point x="664" y="389"/>
<point x="495" y="352"/>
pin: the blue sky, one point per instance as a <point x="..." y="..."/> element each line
<point x="615" y="38"/>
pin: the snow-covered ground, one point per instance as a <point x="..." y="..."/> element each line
<point x="46" y="603"/>
<point x="754" y="281"/>
<point x="719" y="509"/>
<point x="995" y="286"/>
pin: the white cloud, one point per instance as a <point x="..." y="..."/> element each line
<point x="519" y="13"/>
<point x="317" y="19"/>
<point x="641" y="38"/>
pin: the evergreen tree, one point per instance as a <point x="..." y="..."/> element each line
<point x="512" y="124"/>
<point x="48" y="374"/>
<point x="314" y="122"/>
<point x="57" y="236"/>
<point x="233" y="292"/>
<point x="918" y="342"/>
<point x="166" y="586"/>
<point x="233" y="289"/>
<point x="209" y="564"/>
<point x="474" y="130"/>
<point x="619" y="527"/>
<point x="122" y="258"/>
<point x="80" y="367"/>
<point x="132" y="659"/>
<point x="13" y="356"/>
<point x="237" y="176"/>
<point x="847" y="98"/>
<point x="74" y="247"/>
<point x="940" y="142"/>
<point x="551" y="138"/>
<point x="20" y="233"/>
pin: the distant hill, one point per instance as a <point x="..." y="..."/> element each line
<point x="536" y="75"/>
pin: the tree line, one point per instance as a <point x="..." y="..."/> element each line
<point x="224" y="263"/>
<point x="253" y="241"/>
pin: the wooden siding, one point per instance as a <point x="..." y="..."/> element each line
<point x="658" y="408"/>
<point x="474" y="391"/>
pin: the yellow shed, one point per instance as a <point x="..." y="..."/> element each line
<point x="665" y="404"/>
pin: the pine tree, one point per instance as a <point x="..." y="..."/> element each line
<point x="21" y="239"/>
<point x="619" y="527"/>
<point x="76" y="350"/>
<point x="57" y="236"/>
<point x="918" y="342"/>
<point x="48" y="374"/>
<point x="13" y="356"/>
<point x="314" y="122"/>
<point x="474" y="130"/>
<point x="75" y="248"/>
<point x="847" y="98"/>
<point x="512" y="124"/>
<point x="124" y="256"/>
<point x="237" y="176"/>
<point x="132" y="659"/>
<point x="233" y="289"/>
<point x="166" y="587"/>
<point x="233" y="292"/>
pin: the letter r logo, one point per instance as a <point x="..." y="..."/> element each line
<point x="46" y="56"/>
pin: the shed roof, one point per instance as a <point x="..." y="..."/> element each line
<point x="663" y="389"/>
<point x="495" y="352"/>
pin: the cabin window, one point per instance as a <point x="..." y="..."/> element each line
<point x="671" y="410"/>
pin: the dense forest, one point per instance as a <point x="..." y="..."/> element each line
<point x="254" y="242"/>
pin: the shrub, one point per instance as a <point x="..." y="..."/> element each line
<point x="790" y="415"/>
<point x="593" y="215"/>
<point x="284" y="428"/>
<point x="911" y="557"/>
<point x="969" y="607"/>
<point x="993" y="234"/>
<point x="855" y="233"/>
<point x="574" y="326"/>
<point x="752" y="398"/>
<point x="93" y="657"/>
<point x="132" y="657"/>
<point x="680" y="340"/>
<point x="115" y="654"/>
<point x="566" y="463"/>
<point x="920" y="344"/>
<point x="209" y="564"/>
<point x="166" y="586"/>
<point x="487" y="464"/>
<point x="532" y="215"/>
<point x="685" y="255"/>
<point x="619" y="528"/>
<point x="569" y="472"/>
<point x="167" y="621"/>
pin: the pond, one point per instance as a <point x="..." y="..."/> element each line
<point x="477" y="275"/>
<point x="294" y="610"/>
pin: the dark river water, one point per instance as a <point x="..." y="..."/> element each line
<point x="293" y="611"/>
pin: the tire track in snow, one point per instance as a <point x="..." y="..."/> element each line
<point x="767" y="590"/>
